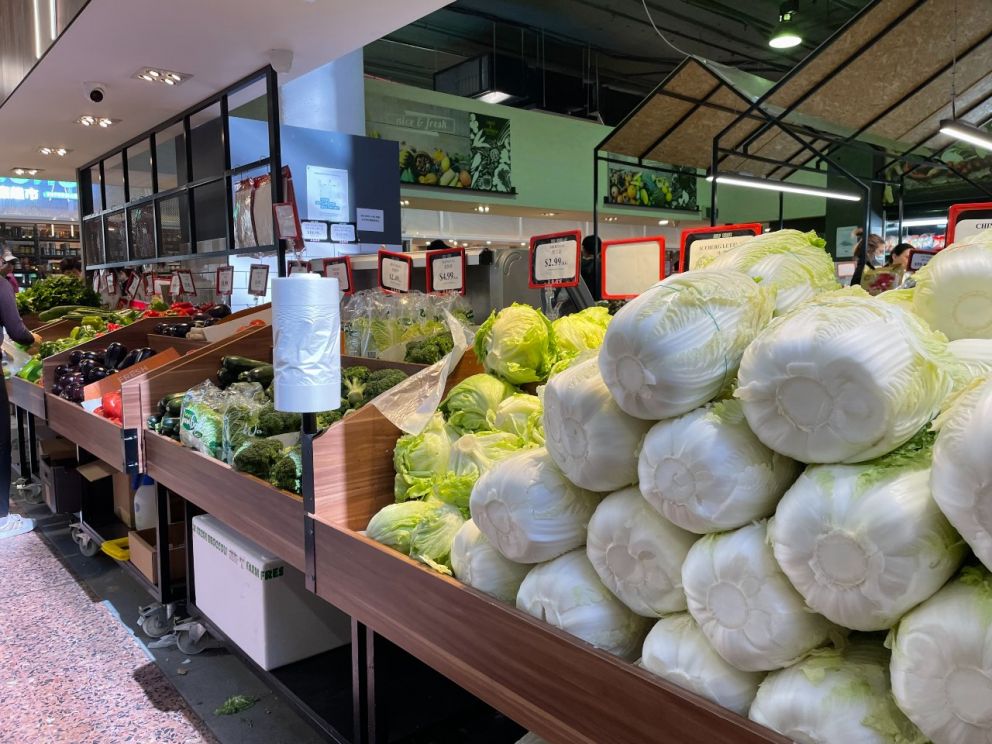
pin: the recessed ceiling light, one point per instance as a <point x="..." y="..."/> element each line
<point x="482" y="208"/>
<point x="158" y="75"/>
<point x="662" y="222"/>
<point x="49" y="150"/>
<point x="550" y="214"/>
<point x="494" y="96"/>
<point x="103" y="122"/>
<point x="25" y="171"/>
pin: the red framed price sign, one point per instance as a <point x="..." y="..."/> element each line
<point x="918" y="258"/>
<point x="340" y="269"/>
<point x="224" y="281"/>
<point x="706" y="242"/>
<point x="186" y="282"/>
<point x="133" y="283"/>
<point x="554" y="260"/>
<point x="395" y="271"/>
<point x="258" y="280"/>
<point x="111" y="282"/>
<point x="630" y="266"/>
<point x="150" y="283"/>
<point x="175" y="286"/>
<point x="446" y="270"/>
<point x="965" y="220"/>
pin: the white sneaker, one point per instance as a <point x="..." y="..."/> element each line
<point x="15" y="524"/>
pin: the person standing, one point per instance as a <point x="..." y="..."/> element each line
<point x="7" y="269"/>
<point x="10" y="319"/>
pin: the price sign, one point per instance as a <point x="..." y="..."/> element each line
<point x="919" y="258"/>
<point x="225" y="280"/>
<point x="175" y="286"/>
<point x="111" y="282"/>
<point x="299" y="267"/>
<point x="705" y="242"/>
<point x="554" y="260"/>
<point x="965" y="220"/>
<point x="314" y="231"/>
<point x="150" y="284"/>
<point x="395" y="271"/>
<point x="340" y="269"/>
<point x="97" y="281"/>
<point x="631" y="266"/>
<point x="343" y="232"/>
<point x="258" y="279"/>
<point x="186" y="282"/>
<point x="286" y="221"/>
<point x="133" y="282"/>
<point x="446" y="270"/>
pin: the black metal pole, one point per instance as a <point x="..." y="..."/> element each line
<point x="713" y="171"/>
<point x="781" y="210"/>
<point x="859" y="268"/>
<point x="275" y="155"/>
<point x="309" y="431"/>
<point x="595" y="220"/>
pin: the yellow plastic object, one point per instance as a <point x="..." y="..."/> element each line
<point x="117" y="549"/>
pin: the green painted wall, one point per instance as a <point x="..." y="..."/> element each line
<point x="552" y="166"/>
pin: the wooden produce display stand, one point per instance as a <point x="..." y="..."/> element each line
<point x="185" y="345"/>
<point x="31" y="396"/>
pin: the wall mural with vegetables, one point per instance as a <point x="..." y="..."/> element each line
<point x="645" y="188"/>
<point x="440" y="146"/>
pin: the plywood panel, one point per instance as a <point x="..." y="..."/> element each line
<point x="93" y="433"/>
<point x="27" y="395"/>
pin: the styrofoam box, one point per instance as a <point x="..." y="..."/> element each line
<point x="259" y="601"/>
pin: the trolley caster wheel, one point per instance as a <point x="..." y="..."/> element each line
<point x="155" y="621"/>
<point x="87" y="546"/>
<point x="191" y="645"/>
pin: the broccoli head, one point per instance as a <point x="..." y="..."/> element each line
<point x="381" y="380"/>
<point x="240" y="427"/>
<point x="354" y="392"/>
<point x="429" y="350"/>
<point x="272" y="422"/>
<point x="286" y="473"/>
<point x="326" y="418"/>
<point x="258" y="457"/>
<point x="359" y="373"/>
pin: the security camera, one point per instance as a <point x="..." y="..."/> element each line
<point x="95" y="92"/>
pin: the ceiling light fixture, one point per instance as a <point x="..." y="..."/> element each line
<point x="786" y="35"/>
<point x="494" y="96"/>
<point x="925" y="222"/>
<point x="967" y="132"/>
<point x="788" y="188"/>
<point x="158" y="75"/>
<point x="482" y="209"/>
<point x="662" y="222"/>
<point x="549" y="214"/>
<point x="96" y="121"/>
<point x="26" y="171"/>
<point x="60" y="151"/>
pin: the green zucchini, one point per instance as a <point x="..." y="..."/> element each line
<point x="169" y="424"/>
<point x="171" y="404"/>
<point x="263" y="375"/>
<point x="239" y="364"/>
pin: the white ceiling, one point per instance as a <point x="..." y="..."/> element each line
<point x="217" y="42"/>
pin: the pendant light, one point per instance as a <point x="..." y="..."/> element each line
<point x="786" y="35"/>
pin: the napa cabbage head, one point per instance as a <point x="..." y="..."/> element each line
<point x="418" y="458"/>
<point x="520" y="414"/>
<point x="470" y="456"/>
<point x="866" y="543"/>
<point x="517" y="344"/>
<point x="793" y="265"/>
<point x="844" y="378"/>
<point x="677" y="651"/>
<point x="953" y="291"/>
<point x="566" y="593"/>
<point x="581" y="331"/>
<point x="941" y="663"/>
<point x="836" y="696"/>
<point x="680" y="343"/>
<point x="471" y="402"/>
<point x="477" y="563"/>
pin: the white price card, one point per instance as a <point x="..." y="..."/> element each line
<point x="446" y="270"/>
<point x="97" y="280"/>
<point x="709" y="242"/>
<point x="340" y="269"/>
<point x="919" y="259"/>
<point x="175" y="285"/>
<point x="394" y="271"/>
<point x="712" y="247"/>
<point x="150" y="284"/>
<point x="314" y="232"/>
<point x="343" y="232"/>
<point x="285" y="218"/>
<point x="258" y="279"/>
<point x="133" y="282"/>
<point x="186" y="282"/>
<point x="225" y="280"/>
<point x="631" y="265"/>
<point x="555" y="262"/>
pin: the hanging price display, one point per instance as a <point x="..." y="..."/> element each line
<point x="554" y="260"/>
<point x="299" y="267"/>
<point x="175" y="285"/>
<point x="395" y="271"/>
<point x="340" y="269"/>
<point x="133" y="282"/>
<point x="446" y="270"/>
<point x="286" y="221"/>
<point x="225" y="280"/>
<point x="965" y="220"/>
<point x="111" y="282"/>
<point x="919" y="258"/>
<point x="258" y="280"/>
<point x="150" y="284"/>
<point x="708" y="242"/>
<point x="630" y="266"/>
<point x="186" y="282"/>
<point x="97" y="280"/>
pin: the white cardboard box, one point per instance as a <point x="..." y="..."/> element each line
<point x="259" y="601"/>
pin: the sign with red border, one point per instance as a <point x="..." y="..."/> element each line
<point x="446" y="270"/>
<point x="133" y="284"/>
<point x="965" y="220"/>
<point x="150" y="283"/>
<point x="186" y="281"/>
<point x="554" y="260"/>
<point x="224" y="282"/>
<point x="110" y="282"/>
<point x="918" y="258"/>
<point x="175" y="285"/>
<point x="700" y="242"/>
<point x="340" y="269"/>
<point x="395" y="271"/>
<point x="285" y="221"/>
<point x="630" y="266"/>
<point x="258" y="280"/>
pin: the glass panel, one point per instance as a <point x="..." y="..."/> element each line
<point x="170" y="154"/>
<point x="211" y="219"/>
<point x="252" y="204"/>
<point x="139" y="170"/>
<point x="97" y="204"/>
<point x="142" y="226"/>
<point x="173" y="225"/>
<point x="93" y="242"/>
<point x="207" y="141"/>
<point x="248" y="124"/>
<point x="113" y="172"/>
<point x="115" y="237"/>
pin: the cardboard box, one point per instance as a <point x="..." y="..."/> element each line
<point x="61" y="485"/>
<point x="97" y="472"/>
<point x="57" y="449"/>
<point x="123" y="498"/>
<point x="144" y="552"/>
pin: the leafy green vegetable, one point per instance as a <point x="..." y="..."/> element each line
<point x="234" y="705"/>
<point x="431" y="539"/>
<point x="393" y="524"/>
<point x="581" y="331"/>
<point x="517" y="344"/>
<point x="520" y="414"/>
<point x="286" y="473"/>
<point x="56" y="290"/>
<point x="419" y="457"/>
<point x="272" y="422"/>
<point x="429" y="350"/>
<point x="258" y="457"/>
<point x="470" y="403"/>
<point x="382" y="380"/>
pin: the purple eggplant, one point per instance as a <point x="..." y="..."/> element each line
<point x="129" y="360"/>
<point x="97" y="373"/>
<point x="56" y="389"/>
<point x="114" y="354"/>
<point x="219" y="311"/>
<point x="74" y="357"/>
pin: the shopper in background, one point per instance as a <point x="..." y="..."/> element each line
<point x="7" y="269"/>
<point x="70" y="266"/>
<point x="591" y="246"/>
<point x="899" y="257"/>
<point x="10" y="319"/>
<point x="438" y="245"/>
<point x="877" y="277"/>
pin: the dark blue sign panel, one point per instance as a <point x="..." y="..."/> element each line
<point x="42" y="201"/>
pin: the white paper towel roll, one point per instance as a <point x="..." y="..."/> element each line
<point x="306" y="324"/>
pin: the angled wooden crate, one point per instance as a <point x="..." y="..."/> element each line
<point x="31" y="396"/>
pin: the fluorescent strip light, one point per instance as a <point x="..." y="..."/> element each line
<point x="788" y="188"/>
<point x="966" y="132"/>
<point x="53" y="19"/>
<point x="37" y="30"/>
<point x="925" y="222"/>
<point x="494" y="96"/>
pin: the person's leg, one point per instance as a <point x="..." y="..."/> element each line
<point x="10" y="524"/>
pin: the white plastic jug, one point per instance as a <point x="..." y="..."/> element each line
<point x="144" y="502"/>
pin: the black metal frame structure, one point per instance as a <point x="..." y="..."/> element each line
<point x="94" y="217"/>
